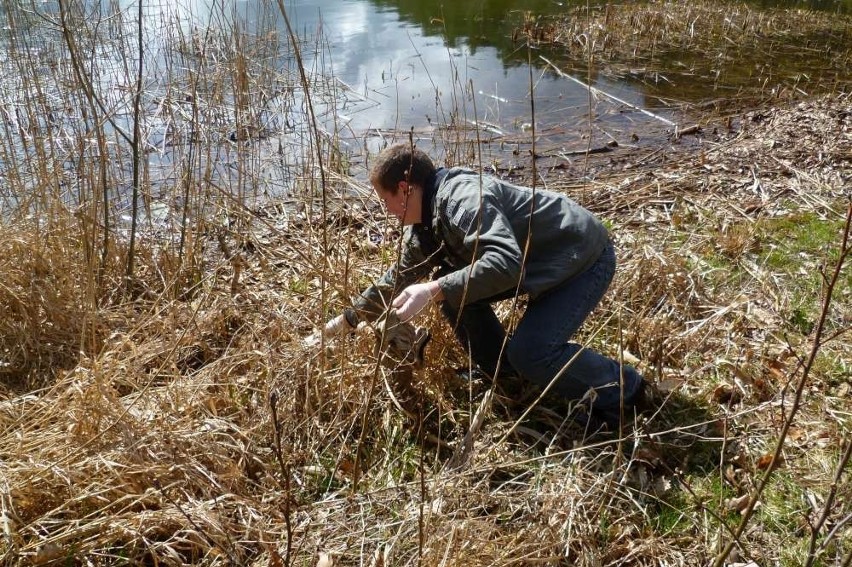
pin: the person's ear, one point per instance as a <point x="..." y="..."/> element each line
<point x="403" y="188"/>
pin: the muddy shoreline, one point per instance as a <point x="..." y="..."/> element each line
<point x="752" y="155"/>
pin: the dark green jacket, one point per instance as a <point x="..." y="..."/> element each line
<point x="476" y="233"/>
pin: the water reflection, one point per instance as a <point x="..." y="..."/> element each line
<point x="450" y="74"/>
<point x="421" y="63"/>
<point x="428" y="65"/>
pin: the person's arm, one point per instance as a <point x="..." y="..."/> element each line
<point x="412" y="267"/>
<point x="477" y="220"/>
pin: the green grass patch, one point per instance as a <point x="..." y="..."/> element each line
<point x="674" y="516"/>
<point x="784" y="506"/>
<point x="800" y="247"/>
<point x="802" y="236"/>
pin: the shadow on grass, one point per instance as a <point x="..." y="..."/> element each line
<point x="677" y="435"/>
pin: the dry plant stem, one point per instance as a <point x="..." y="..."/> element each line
<point x="187" y="179"/>
<point x="94" y="104"/>
<point x="189" y="519"/>
<point x="421" y="528"/>
<point x="514" y="310"/>
<point x="285" y="472"/>
<point x="356" y="475"/>
<point x="463" y="452"/>
<point x="829" y="503"/>
<point x="590" y="115"/>
<point x="525" y="254"/>
<point x="830" y="284"/>
<point x="135" y="147"/>
<point x="317" y="142"/>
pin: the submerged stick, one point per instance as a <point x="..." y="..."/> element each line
<point x="595" y="90"/>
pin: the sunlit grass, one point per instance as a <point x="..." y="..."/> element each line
<point x="137" y="412"/>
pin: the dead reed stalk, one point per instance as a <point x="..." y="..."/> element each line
<point x="187" y="424"/>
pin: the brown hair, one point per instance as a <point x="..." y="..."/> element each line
<point x="401" y="162"/>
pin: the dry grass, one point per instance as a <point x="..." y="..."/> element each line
<point x="155" y="443"/>
<point x="641" y="28"/>
<point x="734" y="49"/>
<point x="137" y="415"/>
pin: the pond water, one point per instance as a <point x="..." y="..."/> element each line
<point x="415" y="64"/>
<point x="452" y="75"/>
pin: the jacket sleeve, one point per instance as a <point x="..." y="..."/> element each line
<point x="478" y="219"/>
<point x="411" y="267"/>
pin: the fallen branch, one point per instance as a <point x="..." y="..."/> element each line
<point x="681" y="132"/>
<point x="597" y="91"/>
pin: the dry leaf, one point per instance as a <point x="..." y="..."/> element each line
<point x="731" y="475"/>
<point x="379" y="557"/>
<point x="630" y="358"/>
<point x="725" y="394"/>
<point x="737" y="504"/>
<point x="797" y="434"/>
<point x="325" y="560"/>
<point x="648" y="455"/>
<point x="776" y="368"/>
<point x="48" y="553"/>
<point x="275" y="559"/>
<point x="346" y="466"/>
<point x="766" y="460"/>
<point x="661" y="486"/>
<point x="669" y="385"/>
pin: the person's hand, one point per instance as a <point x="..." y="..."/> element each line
<point x="414" y="299"/>
<point x="335" y="327"/>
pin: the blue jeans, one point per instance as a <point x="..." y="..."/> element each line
<point x="539" y="349"/>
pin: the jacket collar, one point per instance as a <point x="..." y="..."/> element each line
<point x="429" y="192"/>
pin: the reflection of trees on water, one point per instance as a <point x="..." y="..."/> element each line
<point x="491" y="22"/>
<point x="482" y="23"/>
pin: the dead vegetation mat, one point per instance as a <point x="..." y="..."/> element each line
<point x="200" y="430"/>
<point x="731" y="47"/>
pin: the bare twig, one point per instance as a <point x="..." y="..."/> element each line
<point x="285" y="473"/>
<point x="816" y="343"/>
<point x="828" y="506"/>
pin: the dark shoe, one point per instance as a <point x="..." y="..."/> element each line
<point x="637" y="404"/>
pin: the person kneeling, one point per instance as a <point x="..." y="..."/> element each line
<point x="484" y="240"/>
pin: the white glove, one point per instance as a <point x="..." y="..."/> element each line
<point x="334" y="328"/>
<point x="414" y="299"/>
<point x="337" y="326"/>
